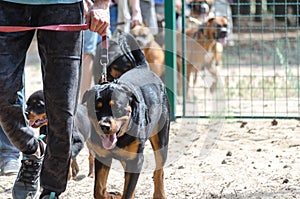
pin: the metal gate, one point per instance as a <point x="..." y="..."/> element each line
<point x="260" y="73"/>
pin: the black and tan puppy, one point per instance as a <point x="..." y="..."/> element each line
<point x="126" y="113"/>
<point x="36" y="115"/>
<point x="154" y="53"/>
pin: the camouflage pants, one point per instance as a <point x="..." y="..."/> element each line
<point x="60" y="54"/>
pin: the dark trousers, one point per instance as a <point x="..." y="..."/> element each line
<point x="61" y="57"/>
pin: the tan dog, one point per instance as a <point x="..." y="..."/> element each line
<point x="154" y="53"/>
<point x="200" y="9"/>
<point x="202" y="49"/>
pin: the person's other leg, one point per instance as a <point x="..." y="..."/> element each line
<point x="89" y="50"/>
<point x="113" y="12"/>
<point x="61" y="59"/>
<point x="149" y="15"/>
<point x="13" y="49"/>
<point x="9" y="156"/>
<point x="124" y="15"/>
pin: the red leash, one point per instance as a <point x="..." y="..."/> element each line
<point x="62" y="27"/>
<point x="66" y="27"/>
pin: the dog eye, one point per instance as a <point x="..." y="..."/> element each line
<point x="111" y="102"/>
<point x="99" y="105"/>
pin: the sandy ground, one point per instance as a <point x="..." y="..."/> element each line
<point x="258" y="160"/>
<point x="207" y="159"/>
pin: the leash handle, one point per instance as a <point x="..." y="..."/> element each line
<point x="60" y="27"/>
<point x="104" y="58"/>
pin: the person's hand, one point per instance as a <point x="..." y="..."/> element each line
<point x="98" y="17"/>
<point x="178" y="6"/>
<point x="87" y="4"/>
<point x="136" y="19"/>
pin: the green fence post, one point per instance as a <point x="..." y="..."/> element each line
<point x="170" y="53"/>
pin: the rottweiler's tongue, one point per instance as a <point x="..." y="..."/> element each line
<point x="109" y="141"/>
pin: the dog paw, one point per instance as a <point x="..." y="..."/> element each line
<point x="91" y="175"/>
<point x="114" y="195"/>
<point x="74" y="167"/>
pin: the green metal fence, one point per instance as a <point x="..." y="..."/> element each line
<point x="260" y="74"/>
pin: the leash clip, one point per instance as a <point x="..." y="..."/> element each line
<point x="104" y="59"/>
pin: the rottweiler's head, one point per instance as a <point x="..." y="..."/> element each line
<point x="109" y="109"/>
<point x="35" y="110"/>
<point x="124" y="54"/>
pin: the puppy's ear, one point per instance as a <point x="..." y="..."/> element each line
<point x="87" y="95"/>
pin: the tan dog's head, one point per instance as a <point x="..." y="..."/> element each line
<point x="142" y="35"/>
<point x="215" y="29"/>
<point x="200" y="8"/>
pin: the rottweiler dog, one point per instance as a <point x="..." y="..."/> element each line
<point x="126" y="113"/>
<point x="37" y="118"/>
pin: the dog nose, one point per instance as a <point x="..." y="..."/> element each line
<point x="223" y="32"/>
<point x="105" y="127"/>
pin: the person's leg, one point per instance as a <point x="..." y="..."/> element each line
<point x="61" y="57"/>
<point x="124" y="15"/>
<point x="149" y="15"/>
<point x="13" y="49"/>
<point x="9" y="156"/>
<point x="113" y="12"/>
<point x="89" y="49"/>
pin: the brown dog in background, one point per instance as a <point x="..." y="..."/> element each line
<point x="200" y="8"/>
<point x="202" y="49"/>
<point x="154" y="53"/>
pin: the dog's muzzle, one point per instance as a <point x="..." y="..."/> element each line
<point x="105" y="125"/>
<point x="105" y="128"/>
<point x="221" y="33"/>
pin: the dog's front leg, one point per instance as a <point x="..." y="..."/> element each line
<point x="102" y="167"/>
<point x="132" y="173"/>
<point x="91" y="164"/>
<point x="130" y="184"/>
